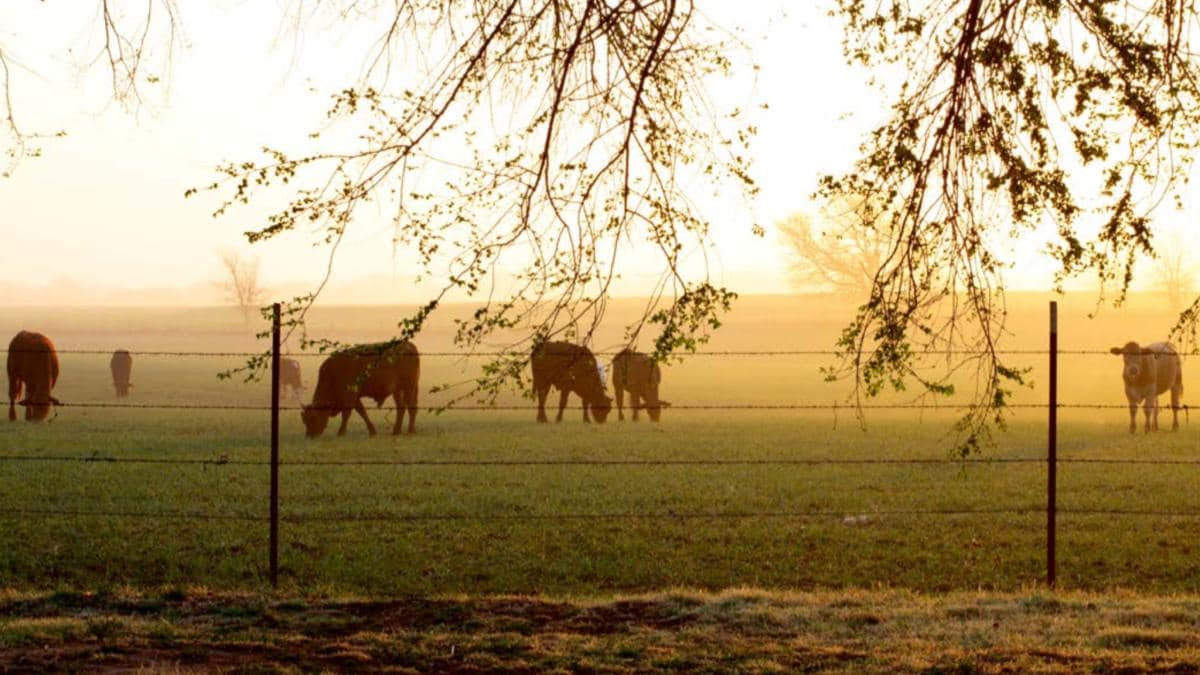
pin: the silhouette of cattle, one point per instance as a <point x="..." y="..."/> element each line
<point x="640" y="376"/>
<point x="121" y="365"/>
<point x="289" y="376"/>
<point x="571" y="369"/>
<point x="1149" y="371"/>
<point x="32" y="367"/>
<point x="374" y="371"/>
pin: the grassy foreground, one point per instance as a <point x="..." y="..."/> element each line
<point x="731" y="631"/>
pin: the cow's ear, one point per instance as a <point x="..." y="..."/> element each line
<point x="1116" y="350"/>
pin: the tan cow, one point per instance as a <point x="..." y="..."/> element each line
<point x="32" y="367"/>
<point x="289" y="376"/>
<point x="638" y="374"/>
<point x="373" y="371"/>
<point x="121" y="365"/>
<point x="1149" y="371"/>
<point x="570" y="369"/>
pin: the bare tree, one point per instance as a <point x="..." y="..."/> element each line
<point x="839" y="250"/>
<point x="240" y="284"/>
<point x="1173" y="272"/>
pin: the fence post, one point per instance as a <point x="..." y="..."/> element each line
<point x="1052" y="452"/>
<point x="274" y="445"/>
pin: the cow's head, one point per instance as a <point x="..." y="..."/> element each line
<point x="1136" y="367"/>
<point x="654" y="409"/>
<point x="37" y="407"/>
<point x="600" y="407"/>
<point x="315" y="420"/>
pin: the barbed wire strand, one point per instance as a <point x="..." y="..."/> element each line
<point x="492" y="354"/>
<point x="673" y="406"/>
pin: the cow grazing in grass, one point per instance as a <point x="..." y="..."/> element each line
<point x="32" y="368"/>
<point x="374" y="371"/>
<point x="640" y="376"/>
<point x="121" y="365"/>
<point x="1149" y="371"/>
<point x="571" y="369"/>
<point x="289" y="376"/>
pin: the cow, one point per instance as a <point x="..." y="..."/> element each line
<point x="640" y="376"/>
<point x="1149" y="371"/>
<point x="121" y="365"/>
<point x="374" y="371"/>
<point x="571" y="369"/>
<point x="32" y="366"/>
<point x="289" y="376"/>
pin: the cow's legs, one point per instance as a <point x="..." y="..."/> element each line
<point x="1176" y="392"/>
<point x="635" y="402"/>
<point x="1146" y="412"/>
<point x="620" y="403"/>
<point x="1132" y="416"/>
<point x="562" y="403"/>
<point x="410" y="400"/>
<point x="585" y="406"/>
<point x="345" y="421"/>
<point x="14" y="391"/>
<point x="362" y="411"/>
<point x="398" y="398"/>
<point x="541" y="398"/>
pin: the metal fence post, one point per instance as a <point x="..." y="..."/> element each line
<point x="1052" y="452"/>
<point x="275" y="445"/>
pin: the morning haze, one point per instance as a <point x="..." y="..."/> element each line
<point x="578" y="336"/>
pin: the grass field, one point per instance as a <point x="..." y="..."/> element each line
<point x="382" y="528"/>
<point x="751" y="631"/>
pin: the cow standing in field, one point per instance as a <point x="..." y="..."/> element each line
<point x="32" y="367"/>
<point x="372" y="371"/>
<point x="570" y="369"/>
<point x="289" y="377"/>
<point x="1149" y="371"/>
<point x="640" y="376"/>
<point x="121" y="365"/>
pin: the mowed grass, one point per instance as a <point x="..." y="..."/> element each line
<point x="465" y="507"/>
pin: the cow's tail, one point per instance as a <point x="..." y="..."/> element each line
<point x="1187" y="416"/>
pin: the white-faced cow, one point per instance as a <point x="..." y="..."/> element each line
<point x="1149" y="371"/>
<point x="121" y="366"/>
<point x="33" y="368"/>
<point x="570" y="369"/>
<point x="372" y="371"/>
<point x="640" y="376"/>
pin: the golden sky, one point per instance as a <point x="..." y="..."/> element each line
<point x="104" y="207"/>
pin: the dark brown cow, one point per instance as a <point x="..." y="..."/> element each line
<point x="121" y="365"/>
<point x="640" y="376"/>
<point x="1147" y="372"/>
<point x="570" y="369"/>
<point x="372" y="371"/>
<point x="32" y="366"/>
<point x="289" y="376"/>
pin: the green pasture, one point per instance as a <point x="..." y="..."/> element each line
<point x="487" y="501"/>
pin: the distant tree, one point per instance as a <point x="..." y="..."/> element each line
<point x="240" y="284"/>
<point x="1173" y="272"/>
<point x="838" y="250"/>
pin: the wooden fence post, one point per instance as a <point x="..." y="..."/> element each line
<point x="1052" y="452"/>
<point x="275" y="445"/>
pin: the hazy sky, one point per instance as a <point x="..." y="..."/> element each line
<point x="105" y="205"/>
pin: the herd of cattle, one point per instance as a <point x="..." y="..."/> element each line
<point x="380" y="371"/>
<point x="372" y="371"/>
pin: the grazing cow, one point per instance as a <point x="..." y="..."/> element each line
<point x="570" y="369"/>
<point x="289" y="376"/>
<point x="639" y="375"/>
<point x="121" y="365"/>
<point x="32" y="366"/>
<point x="374" y="371"/>
<point x="1148" y="372"/>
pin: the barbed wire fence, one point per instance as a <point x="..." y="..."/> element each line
<point x="273" y="517"/>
